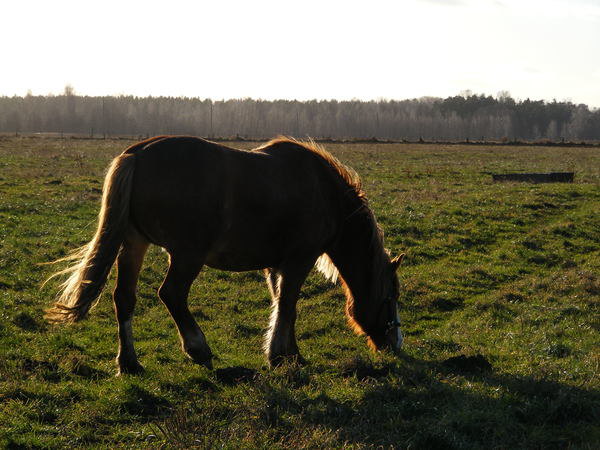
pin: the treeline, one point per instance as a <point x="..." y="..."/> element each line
<point x="463" y="117"/>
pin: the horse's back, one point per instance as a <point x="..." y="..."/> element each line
<point x="243" y="209"/>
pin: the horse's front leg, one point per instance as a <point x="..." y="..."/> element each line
<point x="272" y="279"/>
<point x="280" y="340"/>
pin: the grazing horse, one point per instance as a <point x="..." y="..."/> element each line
<point x="283" y="207"/>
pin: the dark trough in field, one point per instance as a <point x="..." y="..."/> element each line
<point x="552" y="177"/>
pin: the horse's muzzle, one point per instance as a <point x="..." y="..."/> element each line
<point x="395" y="339"/>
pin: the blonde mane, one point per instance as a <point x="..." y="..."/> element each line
<point x="347" y="173"/>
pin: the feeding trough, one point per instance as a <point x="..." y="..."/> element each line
<point x="552" y="177"/>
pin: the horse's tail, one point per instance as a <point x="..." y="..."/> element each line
<point x="92" y="262"/>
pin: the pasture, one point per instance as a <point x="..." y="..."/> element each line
<point x="500" y="305"/>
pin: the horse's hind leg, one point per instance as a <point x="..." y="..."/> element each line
<point x="280" y="340"/>
<point x="129" y="263"/>
<point x="183" y="269"/>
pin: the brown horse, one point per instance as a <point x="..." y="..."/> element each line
<point x="280" y="207"/>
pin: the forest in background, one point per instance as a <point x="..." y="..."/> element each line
<point x="463" y="117"/>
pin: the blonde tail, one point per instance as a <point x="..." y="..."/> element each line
<point x="92" y="262"/>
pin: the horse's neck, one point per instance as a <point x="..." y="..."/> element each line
<point x="353" y="257"/>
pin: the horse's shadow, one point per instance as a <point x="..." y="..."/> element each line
<point x="459" y="402"/>
<point x="412" y="404"/>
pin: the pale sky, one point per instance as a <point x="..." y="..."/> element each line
<point x="541" y="49"/>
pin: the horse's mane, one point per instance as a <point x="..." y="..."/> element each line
<point x="347" y="174"/>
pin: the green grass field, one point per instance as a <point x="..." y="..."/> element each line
<point x="500" y="306"/>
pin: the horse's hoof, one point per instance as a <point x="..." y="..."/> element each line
<point x="201" y="356"/>
<point x="130" y="369"/>
<point x="301" y="361"/>
<point x="206" y="363"/>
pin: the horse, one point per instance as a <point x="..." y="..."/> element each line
<point x="283" y="208"/>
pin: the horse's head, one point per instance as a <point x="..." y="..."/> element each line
<point x="385" y="330"/>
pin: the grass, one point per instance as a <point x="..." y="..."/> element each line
<point x="500" y="309"/>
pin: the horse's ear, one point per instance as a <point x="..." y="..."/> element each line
<point x="397" y="260"/>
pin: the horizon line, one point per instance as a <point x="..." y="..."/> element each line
<point x="307" y="100"/>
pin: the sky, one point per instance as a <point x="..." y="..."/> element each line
<point x="310" y="49"/>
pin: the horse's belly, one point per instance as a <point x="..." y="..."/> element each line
<point x="243" y="259"/>
<point x="236" y="264"/>
<point x="260" y="245"/>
